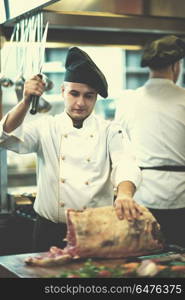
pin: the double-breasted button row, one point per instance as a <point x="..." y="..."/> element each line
<point x="66" y="135"/>
<point x="63" y="180"/>
<point x="64" y="158"/>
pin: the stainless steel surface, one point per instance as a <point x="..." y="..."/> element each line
<point x="3" y="160"/>
<point x="131" y="24"/>
<point x="140" y="16"/>
<point x="3" y="181"/>
<point x="172" y="8"/>
<point x="80" y="6"/>
<point x="12" y="9"/>
<point x="167" y="8"/>
<point x="136" y="16"/>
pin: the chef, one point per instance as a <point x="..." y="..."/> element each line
<point x="81" y="160"/>
<point x="153" y="116"/>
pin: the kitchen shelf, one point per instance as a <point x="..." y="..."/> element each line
<point x="137" y="70"/>
<point x="52" y="71"/>
<point x="17" y="177"/>
<point x="135" y="75"/>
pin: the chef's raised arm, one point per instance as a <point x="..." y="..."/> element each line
<point x="15" y="134"/>
<point x="33" y="86"/>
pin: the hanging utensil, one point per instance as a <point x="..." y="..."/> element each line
<point x="43" y="106"/>
<point x="48" y="84"/>
<point x="19" y="87"/>
<point x="20" y="80"/>
<point x="4" y="80"/>
<point x="35" y="99"/>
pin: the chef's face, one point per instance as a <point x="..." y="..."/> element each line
<point x="79" y="99"/>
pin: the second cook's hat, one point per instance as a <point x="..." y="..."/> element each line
<point x="81" y="68"/>
<point x="163" y="52"/>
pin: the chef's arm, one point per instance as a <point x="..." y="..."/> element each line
<point x="125" y="174"/>
<point x="33" y="86"/>
<point x="125" y="206"/>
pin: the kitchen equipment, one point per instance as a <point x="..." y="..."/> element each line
<point x="5" y="81"/>
<point x="35" y="99"/>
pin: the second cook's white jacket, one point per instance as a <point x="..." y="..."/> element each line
<point x="75" y="166"/>
<point x="153" y="116"/>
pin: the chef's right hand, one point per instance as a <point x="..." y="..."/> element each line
<point x="33" y="86"/>
<point x="127" y="208"/>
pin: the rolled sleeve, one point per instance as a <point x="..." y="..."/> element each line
<point x="18" y="132"/>
<point x="24" y="139"/>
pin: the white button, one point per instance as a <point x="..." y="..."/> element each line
<point x="63" y="180"/>
<point x="62" y="204"/>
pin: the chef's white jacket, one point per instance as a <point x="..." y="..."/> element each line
<point x="77" y="168"/>
<point x="154" y="119"/>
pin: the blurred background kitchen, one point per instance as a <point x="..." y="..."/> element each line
<point x="112" y="32"/>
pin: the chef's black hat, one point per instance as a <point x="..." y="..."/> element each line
<point x="80" y="68"/>
<point x="163" y="52"/>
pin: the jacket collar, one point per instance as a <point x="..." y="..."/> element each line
<point x="159" y="81"/>
<point x="68" y="123"/>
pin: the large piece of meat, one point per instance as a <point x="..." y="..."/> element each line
<point x="97" y="232"/>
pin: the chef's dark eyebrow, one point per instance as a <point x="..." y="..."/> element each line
<point x="74" y="91"/>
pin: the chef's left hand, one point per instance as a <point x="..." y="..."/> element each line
<point x="127" y="208"/>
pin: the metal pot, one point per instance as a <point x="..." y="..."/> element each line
<point x="5" y="81"/>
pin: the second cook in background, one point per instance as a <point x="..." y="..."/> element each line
<point x="153" y="116"/>
<point x="80" y="156"/>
